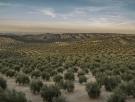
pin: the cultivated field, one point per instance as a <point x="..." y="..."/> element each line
<point x="68" y="67"/>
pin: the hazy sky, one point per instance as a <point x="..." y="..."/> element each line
<point x="67" y="16"/>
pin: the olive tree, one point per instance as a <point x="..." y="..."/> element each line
<point x="22" y="79"/>
<point x="67" y="85"/>
<point x="117" y="96"/>
<point x="59" y="99"/>
<point x="111" y="82"/>
<point x="69" y="76"/>
<point x="93" y="89"/>
<point x="35" y="73"/>
<point x="45" y="76"/>
<point x="10" y="73"/>
<point x="82" y="79"/>
<point x="57" y="78"/>
<point x="3" y="83"/>
<point x="50" y="92"/>
<point x="36" y="86"/>
<point x="12" y="96"/>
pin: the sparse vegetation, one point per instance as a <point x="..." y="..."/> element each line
<point x="117" y="97"/>
<point x="57" y="78"/>
<point x="59" y="99"/>
<point x="36" y="86"/>
<point x="22" y="79"/>
<point x="102" y="59"/>
<point x="82" y="79"/>
<point x="12" y="96"/>
<point x="111" y="82"/>
<point x="93" y="89"/>
<point x="69" y="76"/>
<point x="3" y="83"/>
<point x="50" y="92"/>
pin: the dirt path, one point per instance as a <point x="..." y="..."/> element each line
<point x="80" y="94"/>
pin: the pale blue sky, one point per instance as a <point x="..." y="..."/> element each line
<point x="90" y="14"/>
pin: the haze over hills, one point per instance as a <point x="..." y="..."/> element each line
<point x="67" y="37"/>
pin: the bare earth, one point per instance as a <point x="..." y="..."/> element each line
<point x="79" y="94"/>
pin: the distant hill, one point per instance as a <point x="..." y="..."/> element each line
<point x="68" y="37"/>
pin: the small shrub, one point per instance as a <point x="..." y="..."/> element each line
<point x="128" y="88"/>
<point x="10" y="73"/>
<point x="117" y="96"/>
<point x="57" y="78"/>
<point x="59" y="99"/>
<point x="81" y="73"/>
<point x="50" y="92"/>
<point x="82" y="79"/>
<point x="127" y="76"/>
<point x="45" y="76"/>
<point x="93" y="89"/>
<point x="22" y="79"/>
<point x="27" y="70"/>
<point x="60" y="70"/>
<point x="60" y="84"/>
<point x="69" y="76"/>
<point x="75" y="69"/>
<point x="3" y="83"/>
<point x="36" y="86"/>
<point x="111" y="82"/>
<point x="12" y="96"/>
<point x="4" y="70"/>
<point x="100" y="77"/>
<point x="17" y="68"/>
<point x="35" y="74"/>
<point x="53" y="73"/>
<point x="67" y="85"/>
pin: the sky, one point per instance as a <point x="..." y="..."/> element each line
<point x="84" y="16"/>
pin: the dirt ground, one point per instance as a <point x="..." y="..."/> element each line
<point x="79" y="94"/>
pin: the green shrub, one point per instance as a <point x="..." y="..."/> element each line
<point x="3" y="83"/>
<point x="57" y="78"/>
<point x="17" y="68"/>
<point x="10" y="73"/>
<point x="75" y="69"/>
<point x="127" y="76"/>
<point x="60" y="84"/>
<point x="81" y="73"/>
<point x="53" y="73"/>
<point x="82" y="79"/>
<point x="93" y="89"/>
<point x="4" y="70"/>
<point x="60" y="70"/>
<point x="35" y="74"/>
<point x="12" y="96"/>
<point x="22" y="79"/>
<point x="36" y="86"/>
<point x="59" y="99"/>
<point x="117" y="96"/>
<point x="111" y="82"/>
<point x="50" y="92"/>
<point x="100" y="77"/>
<point x="45" y="76"/>
<point x="128" y="88"/>
<point x="67" y="85"/>
<point x="27" y="70"/>
<point x="70" y="86"/>
<point x="69" y="76"/>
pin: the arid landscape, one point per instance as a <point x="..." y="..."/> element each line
<point x="67" y="50"/>
<point x="81" y="67"/>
